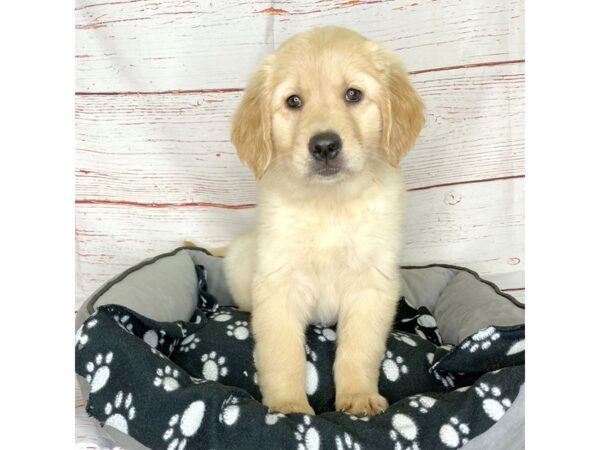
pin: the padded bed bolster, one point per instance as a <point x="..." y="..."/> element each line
<point x="163" y="288"/>
<point x="466" y="306"/>
<point x="461" y="302"/>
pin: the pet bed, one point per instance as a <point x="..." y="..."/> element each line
<point x="165" y="361"/>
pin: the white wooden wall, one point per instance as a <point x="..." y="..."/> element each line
<point x="158" y="80"/>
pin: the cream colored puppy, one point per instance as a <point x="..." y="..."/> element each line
<point x="323" y="124"/>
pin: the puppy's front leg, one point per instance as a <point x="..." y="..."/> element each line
<point x="366" y="316"/>
<point x="278" y="325"/>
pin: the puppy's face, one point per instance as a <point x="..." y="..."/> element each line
<point x="327" y="105"/>
<point x="326" y="122"/>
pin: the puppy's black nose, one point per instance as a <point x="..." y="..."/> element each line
<point x="325" y="146"/>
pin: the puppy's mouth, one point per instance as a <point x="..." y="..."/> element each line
<point x="328" y="171"/>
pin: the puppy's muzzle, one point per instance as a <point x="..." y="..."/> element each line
<point x="325" y="146"/>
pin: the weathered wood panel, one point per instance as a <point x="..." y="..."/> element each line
<point x="478" y="225"/>
<point x="154" y="46"/>
<point x="181" y="45"/>
<point x="174" y="148"/>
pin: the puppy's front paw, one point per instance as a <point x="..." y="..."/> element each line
<point x="288" y="407"/>
<point x="360" y="404"/>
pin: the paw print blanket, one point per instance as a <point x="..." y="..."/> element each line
<point x="453" y="366"/>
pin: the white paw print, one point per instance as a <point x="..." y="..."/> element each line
<point x="205" y="302"/>
<point x="454" y="434"/>
<point x="198" y="319"/>
<point x="481" y="340"/>
<point x="447" y="379"/>
<point x="230" y="411"/>
<point x="422" y="403"/>
<point x="493" y="405"/>
<point x="222" y="317"/>
<point x="80" y="338"/>
<point x="123" y="322"/>
<point x="183" y="330"/>
<point x="120" y="412"/>
<point x="153" y="339"/>
<point x="427" y="321"/>
<point x="184" y="427"/>
<point x="239" y="330"/>
<point x="214" y="366"/>
<point x="346" y="442"/>
<point x="325" y="334"/>
<point x="273" y="418"/>
<point x="98" y="371"/>
<point x="255" y="375"/>
<point x="308" y="437"/>
<point x="393" y="366"/>
<point x="312" y="376"/>
<point x="362" y="418"/>
<point x="517" y="347"/>
<point x="404" y="338"/>
<point x="251" y="375"/>
<point x="430" y="357"/>
<point x="167" y="378"/>
<point x="188" y="343"/>
<point x="404" y="433"/>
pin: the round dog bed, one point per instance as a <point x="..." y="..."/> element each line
<point x="166" y="361"/>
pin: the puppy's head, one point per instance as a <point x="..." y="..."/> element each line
<point x="325" y="106"/>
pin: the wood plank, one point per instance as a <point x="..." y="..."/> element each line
<point x="426" y="34"/>
<point x="141" y="45"/>
<point x="175" y="149"/>
<point x="136" y="45"/>
<point x="477" y="225"/>
<point x="474" y="129"/>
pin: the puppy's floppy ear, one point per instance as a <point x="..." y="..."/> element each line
<point x="251" y="130"/>
<point x="401" y="108"/>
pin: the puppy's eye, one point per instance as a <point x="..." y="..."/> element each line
<point x="293" y="101"/>
<point x="353" y="95"/>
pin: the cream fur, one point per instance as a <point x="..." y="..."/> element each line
<point x="324" y="250"/>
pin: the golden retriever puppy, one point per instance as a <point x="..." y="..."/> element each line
<point x="323" y="124"/>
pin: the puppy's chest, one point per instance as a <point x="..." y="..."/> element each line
<point x="326" y="251"/>
<point x="337" y="250"/>
<point x="339" y="241"/>
<point x="335" y="236"/>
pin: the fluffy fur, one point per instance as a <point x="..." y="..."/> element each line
<point x="325" y="249"/>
